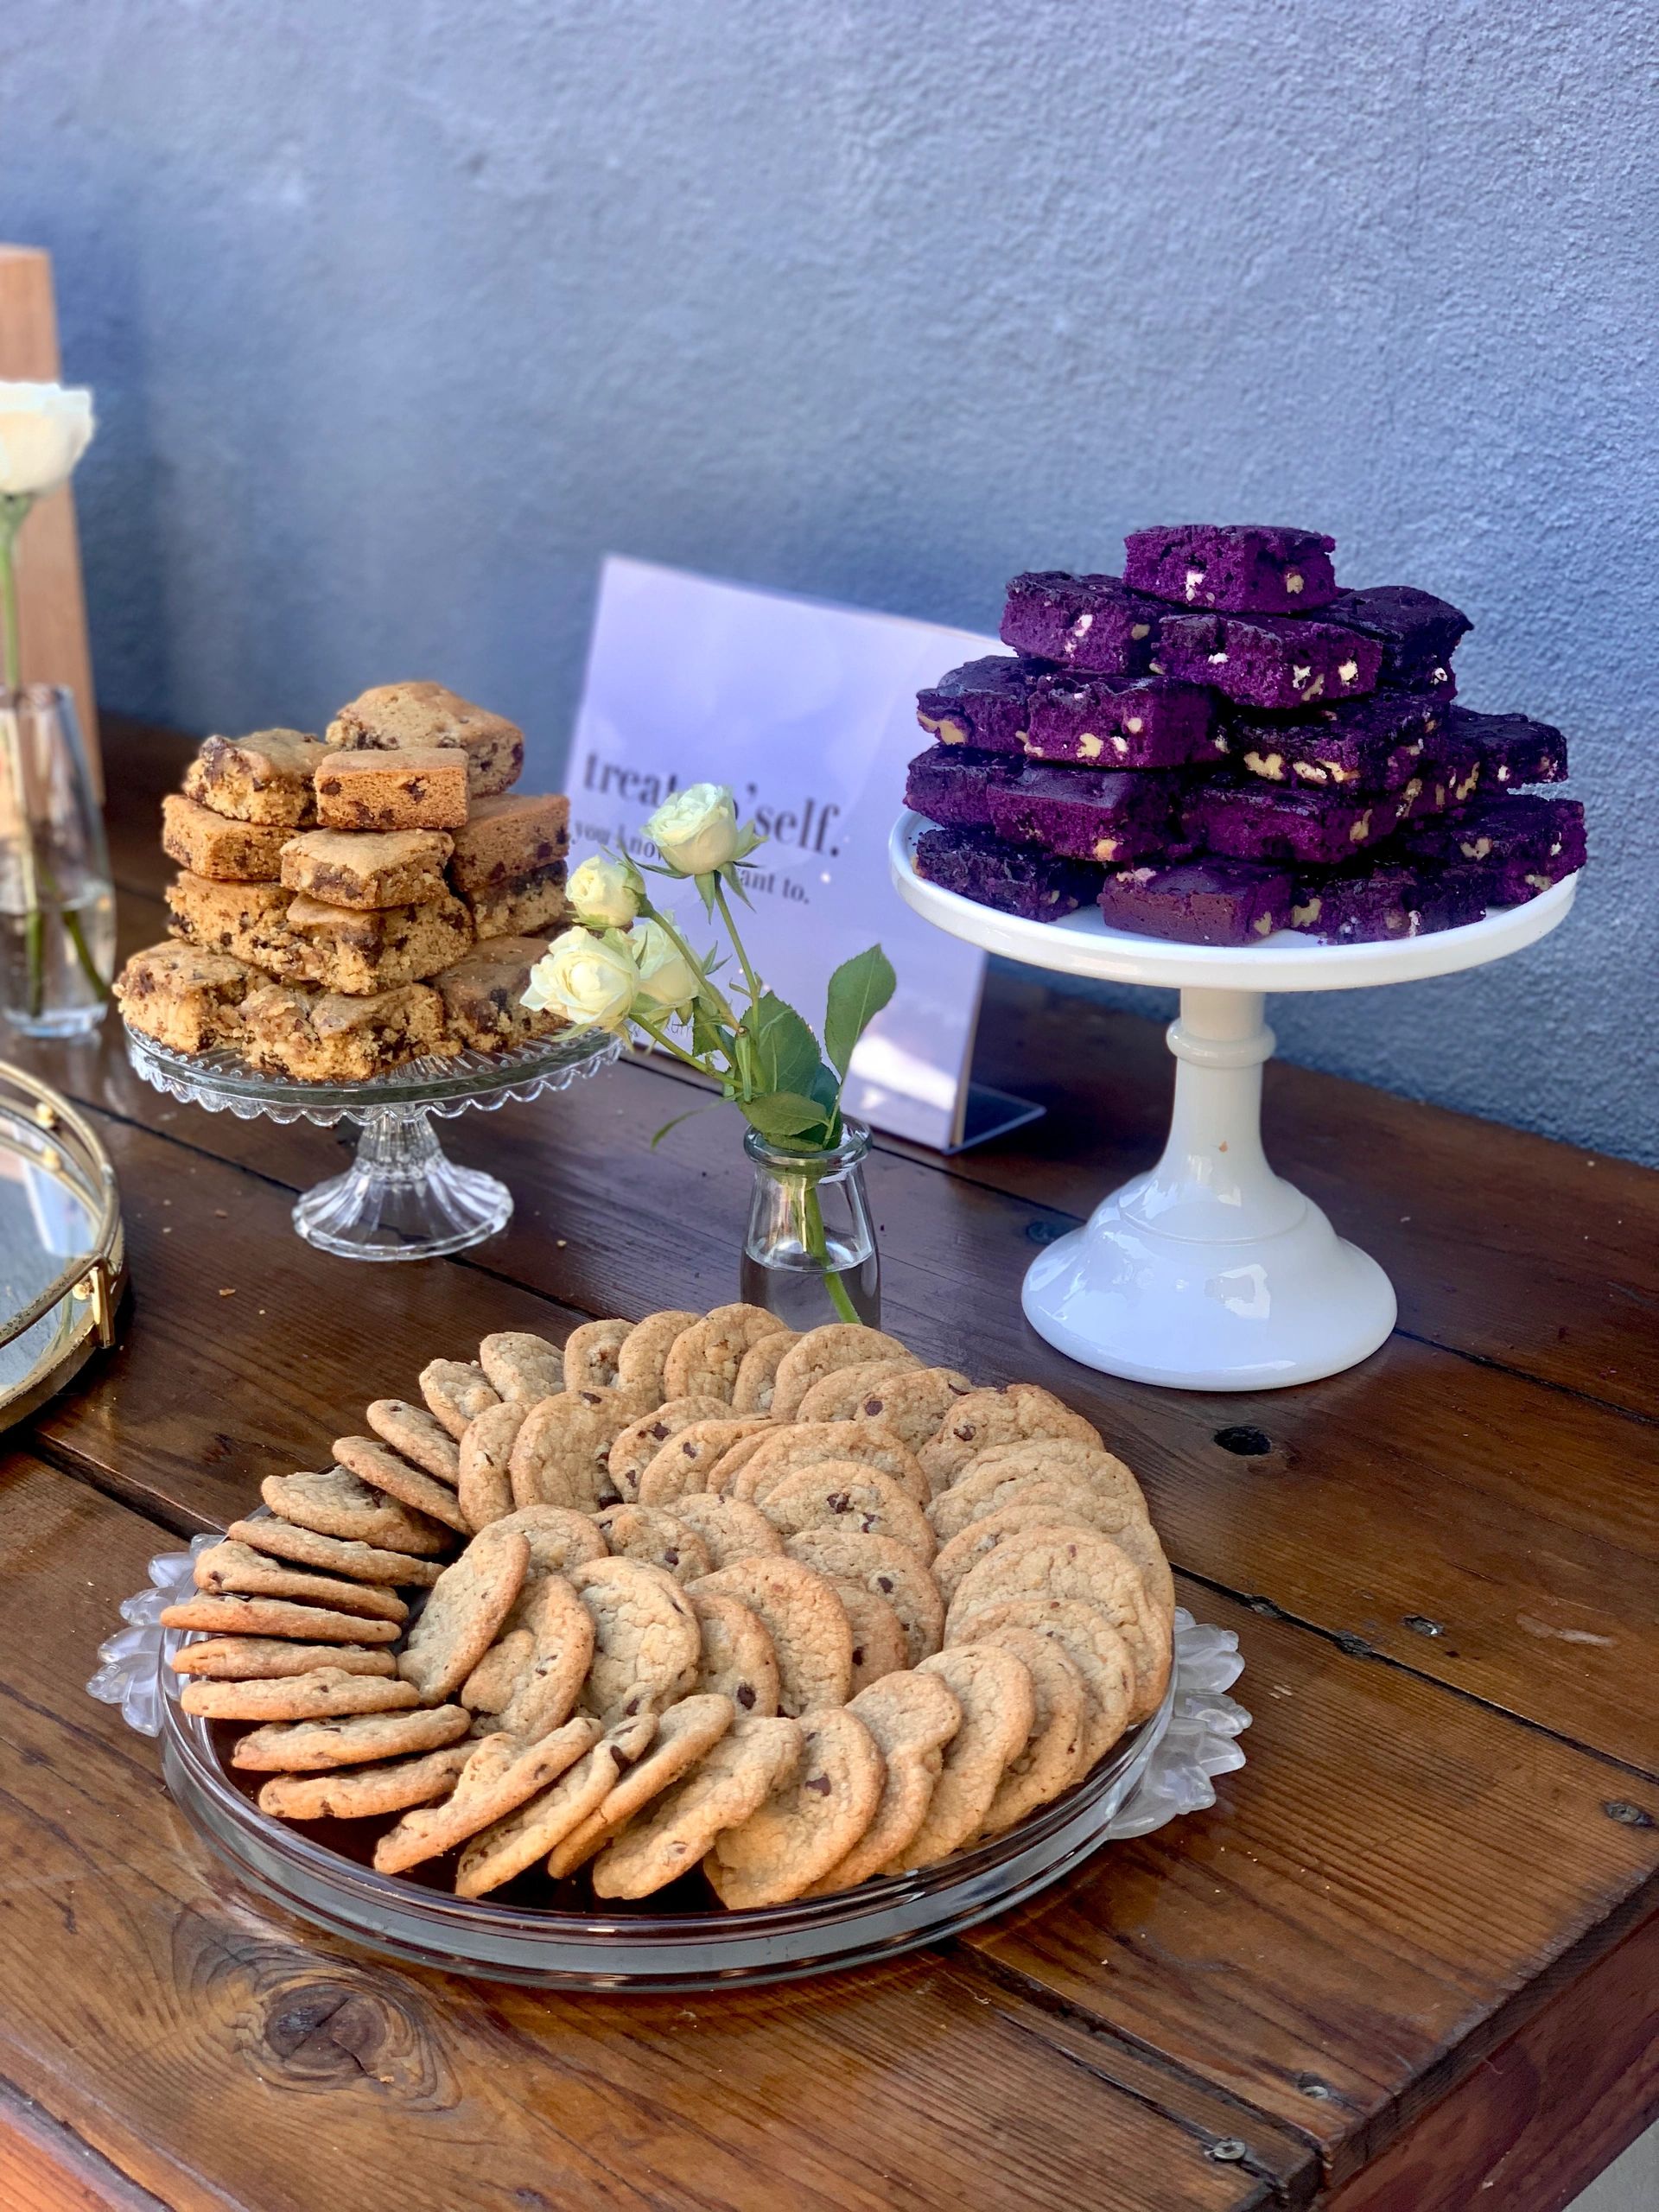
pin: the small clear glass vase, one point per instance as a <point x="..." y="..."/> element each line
<point x="810" y="1255"/>
<point x="57" y="906"/>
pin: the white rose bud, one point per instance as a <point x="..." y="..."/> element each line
<point x="44" y="430"/>
<point x="695" y="830"/>
<point x="600" y="894"/>
<point x="667" y="978"/>
<point x="588" y="979"/>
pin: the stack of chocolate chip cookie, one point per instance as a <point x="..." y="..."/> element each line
<point x="343" y="906"/>
<point x="693" y="1592"/>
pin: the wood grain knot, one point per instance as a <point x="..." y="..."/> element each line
<point x="302" y="2020"/>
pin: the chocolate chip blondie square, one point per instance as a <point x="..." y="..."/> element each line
<point x="418" y="787"/>
<point x="392" y="868"/>
<point x="483" y="995"/>
<point x="187" y="999"/>
<point x="326" y="1036"/>
<point x="359" y="953"/>
<point x="214" y="845"/>
<point x="265" y="778"/>
<point x="393" y="716"/>
<point x="508" y="838"/>
<point x="247" y="920"/>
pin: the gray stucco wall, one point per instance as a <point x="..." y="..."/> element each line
<point x="400" y="312"/>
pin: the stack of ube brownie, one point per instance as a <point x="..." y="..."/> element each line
<point x="1220" y="743"/>
<point x="349" y="903"/>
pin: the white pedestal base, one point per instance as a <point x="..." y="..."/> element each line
<point x="1211" y="1273"/>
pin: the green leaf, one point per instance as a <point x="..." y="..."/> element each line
<point x="785" y="1114"/>
<point x="859" y="989"/>
<point x="785" y="1051"/>
<point x="690" y="1115"/>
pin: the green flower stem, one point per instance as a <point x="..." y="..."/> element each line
<point x="810" y="1214"/>
<point x="751" y="980"/>
<point x="14" y="508"/>
<point x="659" y="1037"/>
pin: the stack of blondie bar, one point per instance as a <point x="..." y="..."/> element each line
<point x="348" y="904"/>
<point x="1221" y="743"/>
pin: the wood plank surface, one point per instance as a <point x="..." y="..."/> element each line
<point x="1535" y="2123"/>
<point x="215" y="2053"/>
<point x="1498" y="1535"/>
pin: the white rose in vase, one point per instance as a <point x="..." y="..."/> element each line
<point x="601" y="896"/>
<point x="667" y="978"/>
<point x="590" y="980"/>
<point x="695" y="830"/>
<point x="44" y="430"/>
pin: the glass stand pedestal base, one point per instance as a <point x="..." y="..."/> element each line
<point x="403" y="1197"/>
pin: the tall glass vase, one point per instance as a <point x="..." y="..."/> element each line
<point x="57" y="907"/>
<point x="810" y="1253"/>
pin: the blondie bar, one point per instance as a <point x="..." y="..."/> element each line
<point x="1015" y="879"/>
<point x="525" y="906"/>
<point x="417" y="787"/>
<point x="1084" y="622"/>
<point x="184" y="998"/>
<point x="393" y="716"/>
<point x="323" y="1036"/>
<point x="982" y="704"/>
<point x="360" y="951"/>
<point x="1200" y="902"/>
<point x="213" y="845"/>
<point x="386" y="867"/>
<point x="265" y="777"/>
<point x="1116" y="721"/>
<point x="247" y="920"/>
<point x="1245" y="567"/>
<point x="509" y="837"/>
<point x="1268" y="660"/>
<point x="483" y="995"/>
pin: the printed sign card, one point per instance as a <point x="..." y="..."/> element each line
<point x="808" y="712"/>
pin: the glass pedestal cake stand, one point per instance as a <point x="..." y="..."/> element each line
<point x="401" y="1197"/>
<point x="1210" y="1272"/>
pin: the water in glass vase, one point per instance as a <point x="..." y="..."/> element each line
<point x="53" y="970"/>
<point x="810" y="1253"/>
<point x="790" y="1284"/>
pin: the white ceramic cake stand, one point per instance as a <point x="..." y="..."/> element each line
<point x="403" y="1197"/>
<point x="1211" y="1273"/>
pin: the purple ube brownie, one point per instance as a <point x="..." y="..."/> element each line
<point x="1369" y="744"/>
<point x="952" y="786"/>
<point x="1084" y="622"/>
<point x="982" y="704"/>
<point x="1109" y="815"/>
<point x="1260" y="822"/>
<point x="1200" y="902"/>
<point x="1368" y="904"/>
<point x="1015" y="879"/>
<point x="1268" y="660"/>
<point x="1119" y="721"/>
<point x="1418" y="633"/>
<point x="1513" y="748"/>
<point x="1522" y="844"/>
<point x="1244" y="567"/>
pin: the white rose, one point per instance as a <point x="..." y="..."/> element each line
<point x="695" y="830"/>
<point x="600" y="894"/>
<point x="667" y="978"/>
<point x="44" y="430"/>
<point x="586" y="978"/>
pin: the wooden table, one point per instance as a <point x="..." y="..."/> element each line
<point x="1408" y="1961"/>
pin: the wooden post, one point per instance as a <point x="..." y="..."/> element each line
<point x="53" y="606"/>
